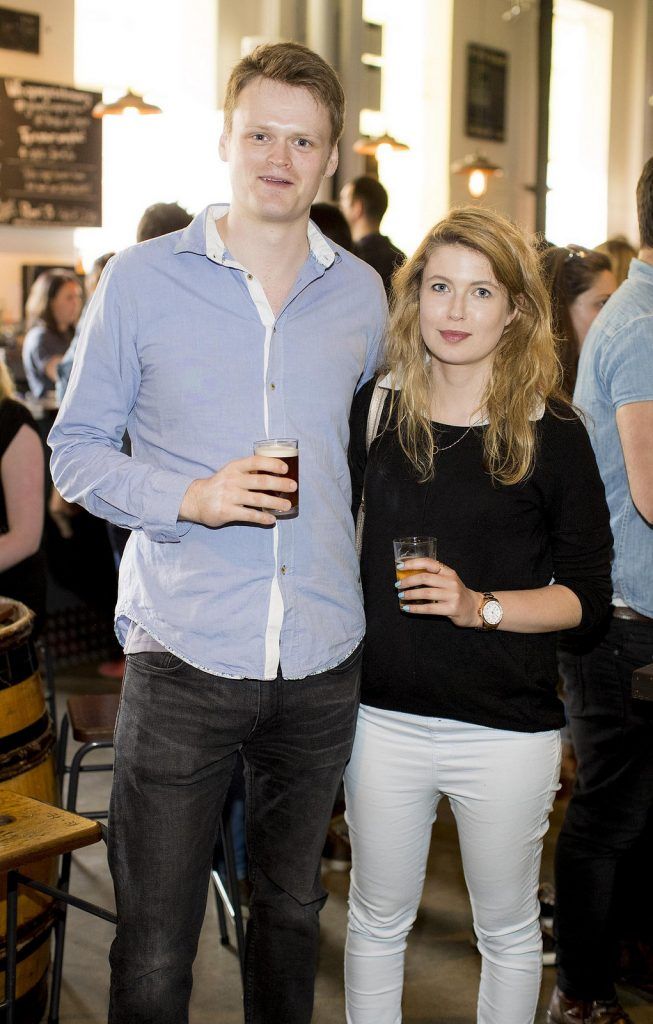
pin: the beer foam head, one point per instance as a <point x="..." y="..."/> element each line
<point x="277" y="450"/>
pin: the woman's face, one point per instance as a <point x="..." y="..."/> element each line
<point x="463" y="310"/>
<point x="585" y="306"/>
<point x="66" y="306"/>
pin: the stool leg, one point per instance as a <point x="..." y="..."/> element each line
<point x="64" y="882"/>
<point x="57" y="963"/>
<point x="12" y="940"/>
<point x="50" y="687"/>
<point x="232" y="882"/>
<point x="61" y="753"/>
<point x="222" y="919"/>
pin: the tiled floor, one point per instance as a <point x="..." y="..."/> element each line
<point x="442" y="966"/>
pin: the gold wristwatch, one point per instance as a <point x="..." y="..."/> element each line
<point x="490" y="612"/>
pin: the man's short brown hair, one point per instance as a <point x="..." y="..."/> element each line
<point x="645" y="205"/>
<point x="290" y="64"/>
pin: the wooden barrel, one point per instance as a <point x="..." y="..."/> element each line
<point x="26" y="766"/>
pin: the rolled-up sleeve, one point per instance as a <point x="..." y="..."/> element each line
<point x="87" y="464"/>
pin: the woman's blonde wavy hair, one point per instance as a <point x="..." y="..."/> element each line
<point x="525" y="371"/>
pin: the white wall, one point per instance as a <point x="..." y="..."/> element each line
<point x="26" y="244"/>
<point x="630" y="111"/>
<point x="416" y="101"/>
<point x="165" y="50"/>
<point x="480" y="21"/>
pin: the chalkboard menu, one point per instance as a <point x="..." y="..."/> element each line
<point x="50" y="155"/>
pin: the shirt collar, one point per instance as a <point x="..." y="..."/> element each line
<point x="638" y="268"/>
<point x="203" y="238"/>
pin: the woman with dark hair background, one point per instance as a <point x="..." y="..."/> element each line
<point x="52" y="310"/>
<point x="580" y="282"/>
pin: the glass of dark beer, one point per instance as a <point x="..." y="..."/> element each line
<point x="413" y="547"/>
<point x="286" y="449"/>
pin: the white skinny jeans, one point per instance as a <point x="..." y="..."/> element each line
<point x="500" y="786"/>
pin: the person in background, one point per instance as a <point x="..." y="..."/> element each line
<point x="364" y="202"/>
<point x="65" y="365"/>
<point x="22" y="564"/>
<point x="160" y="219"/>
<point x="620" y="252"/>
<point x="459" y="677"/>
<point x="611" y="807"/>
<point x="242" y="631"/>
<point x="331" y="222"/>
<point x="52" y="310"/>
<point x="580" y="282"/>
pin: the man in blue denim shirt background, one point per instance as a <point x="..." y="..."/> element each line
<point x="242" y="632"/>
<point x="613" y="735"/>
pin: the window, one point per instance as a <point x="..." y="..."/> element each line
<point x="415" y="102"/>
<point x="167" y="51"/>
<point x="579" y="126"/>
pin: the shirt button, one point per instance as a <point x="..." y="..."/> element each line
<point x="250" y="277"/>
<point x="283" y="570"/>
<point x="273" y="386"/>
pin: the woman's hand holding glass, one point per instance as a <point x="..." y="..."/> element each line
<point x="441" y="592"/>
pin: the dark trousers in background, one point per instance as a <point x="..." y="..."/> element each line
<point x="610" y="809"/>
<point x="177" y="736"/>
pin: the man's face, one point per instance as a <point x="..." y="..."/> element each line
<point x="278" y="150"/>
<point x="349" y="207"/>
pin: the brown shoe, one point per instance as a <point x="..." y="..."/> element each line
<point x="608" y="1013"/>
<point x="564" y="1010"/>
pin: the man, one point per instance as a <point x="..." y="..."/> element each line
<point x="613" y="735"/>
<point x="241" y="632"/>
<point x="161" y="218"/>
<point x="363" y="202"/>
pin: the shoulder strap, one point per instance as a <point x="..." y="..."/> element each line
<point x="373" y="417"/>
<point x="374" y="414"/>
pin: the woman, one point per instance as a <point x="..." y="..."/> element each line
<point x="620" y="253"/>
<point x="580" y="282"/>
<point x="52" y="310"/>
<point x="459" y="693"/>
<point x="22" y="566"/>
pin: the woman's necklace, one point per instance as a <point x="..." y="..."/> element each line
<point x="437" y="448"/>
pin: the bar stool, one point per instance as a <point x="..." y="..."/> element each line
<point x="92" y="719"/>
<point x="31" y="831"/>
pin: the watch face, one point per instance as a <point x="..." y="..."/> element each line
<point x="492" y="612"/>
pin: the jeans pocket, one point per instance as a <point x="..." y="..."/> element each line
<point x="157" y="662"/>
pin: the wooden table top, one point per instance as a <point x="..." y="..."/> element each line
<point x="31" y="830"/>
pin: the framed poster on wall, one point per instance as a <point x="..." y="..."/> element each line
<point x="487" y="73"/>
<point x="20" y="31"/>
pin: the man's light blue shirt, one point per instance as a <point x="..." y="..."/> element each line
<point x="615" y="369"/>
<point x="175" y="350"/>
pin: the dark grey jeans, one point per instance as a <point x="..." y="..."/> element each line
<point x="177" y="736"/>
<point x="611" y="805"/>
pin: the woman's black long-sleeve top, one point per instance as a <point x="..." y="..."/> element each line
<point x="553" y="526"/>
